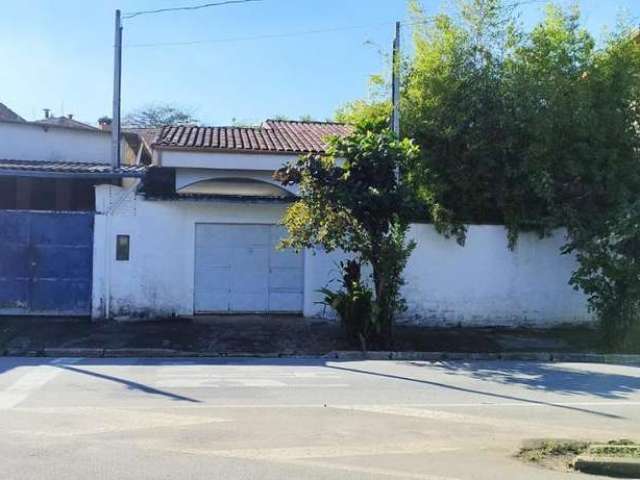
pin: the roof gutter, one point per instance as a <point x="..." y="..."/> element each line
<point x="175" y="148"/>
<point x="27" y="173"/>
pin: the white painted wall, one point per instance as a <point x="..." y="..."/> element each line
<point x="483" y="283"/>
<point x="222" y="160"/>
<point x="27" y="141"/>
<point x="159" y="278"/>
<point x="480" y="284"/>
<point x="189" y="176"/>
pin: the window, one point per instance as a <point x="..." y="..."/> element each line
<point x="122" y="248"/>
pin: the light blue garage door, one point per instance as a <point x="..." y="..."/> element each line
<point x="239" y="270"/>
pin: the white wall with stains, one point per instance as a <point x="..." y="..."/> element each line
<point x="481" y="284"/>
<point x="31" y="141"/>
<point x="158" y="280"/>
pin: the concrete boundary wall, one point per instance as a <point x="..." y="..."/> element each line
<point x="481" y="284"/>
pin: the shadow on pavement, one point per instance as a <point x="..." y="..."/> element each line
<point x="539" y="377"/>
<point x="547" y="377"/>
<point x="129" y="384"/>
<point x="474" y="391"/>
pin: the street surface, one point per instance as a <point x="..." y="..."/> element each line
<point x="122" y="418"/>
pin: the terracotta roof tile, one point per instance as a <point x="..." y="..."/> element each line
<point x="273" y="136"/>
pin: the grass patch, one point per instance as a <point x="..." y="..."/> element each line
<point x="616" y="448"/>
<point x="538" y="451"/>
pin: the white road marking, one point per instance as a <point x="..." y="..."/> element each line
<point x="71" y="421"/>
<point x="321" y="451"/>
<point x="217" y="383"/>
<point x="212" y="405"/>
<point x="210" y="373"/>
<point x="371" y="470"/>
<point x="438" y="415"/>
<point x="35" y="378"/>
<point x="239" y="383"/>
<point x="206" y="376"/>
<point x="314" y="455"/>
<point x="530" y="424"/>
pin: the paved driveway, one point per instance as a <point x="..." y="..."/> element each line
<point x="299" y="419"/>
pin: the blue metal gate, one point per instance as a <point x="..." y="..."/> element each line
<point x="45" y="262"/>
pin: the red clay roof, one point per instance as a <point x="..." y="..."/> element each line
<point x="273" y="136"/>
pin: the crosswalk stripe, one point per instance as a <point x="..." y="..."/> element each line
<point x="35" y="378"/>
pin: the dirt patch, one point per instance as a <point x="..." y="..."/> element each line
<point x="554" y="454"/>
<point x="264" y="334"/>
<point x="561" y="455"/>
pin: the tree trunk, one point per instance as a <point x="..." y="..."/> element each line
<point x="384" y="331"/>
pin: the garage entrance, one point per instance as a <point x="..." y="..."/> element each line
<point x="45" y="262"/>
<point x="239" y="270"/>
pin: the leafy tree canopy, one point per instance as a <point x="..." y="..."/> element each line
<point x="158" y="115"/>
<point x="352" y="199"/>
<point x="534" y="130"/>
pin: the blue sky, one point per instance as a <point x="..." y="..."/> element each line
<point x="58" y="54"/>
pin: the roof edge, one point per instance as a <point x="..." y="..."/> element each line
<point x="45" y="126"/>
<point x="177" y="148"/>
<point x="307" y="122"/>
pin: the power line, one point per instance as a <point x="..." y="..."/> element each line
<point x="259" y="37"/>
<point x="274" y="35"/>
<point x="193" y="7"/>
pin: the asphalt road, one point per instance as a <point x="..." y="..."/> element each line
<point x="300" y="419"/>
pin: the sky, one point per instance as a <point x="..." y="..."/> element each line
<point x="252" y="61"/>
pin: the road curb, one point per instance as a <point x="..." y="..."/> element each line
<point x="339" y="355"/>
<point x="621" y="359"/>
<point x="143" y="353"/>
<point x="609" y="466"/>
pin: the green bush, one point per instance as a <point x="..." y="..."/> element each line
<point x="353" y="304"/>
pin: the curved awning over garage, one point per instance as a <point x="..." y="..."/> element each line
<point x="235" y="187"/>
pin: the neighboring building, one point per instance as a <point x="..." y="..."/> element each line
<point x="6" y="114"/>
<point x="198" y="235"/>
<point x="48" y="173"/>
<point x="63" y="121"/>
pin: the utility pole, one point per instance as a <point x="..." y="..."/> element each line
<point x="117" y="80"/>
<point x="395" y="83"/>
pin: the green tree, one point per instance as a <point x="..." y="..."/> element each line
<point x="454" y="104"/>
<point x="534" y="130"/>
<point x="352" y="199"/>
<point x="574" y="121"/>
<point x="158" y="115"/>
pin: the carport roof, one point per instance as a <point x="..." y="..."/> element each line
<point x="38" y="168"/>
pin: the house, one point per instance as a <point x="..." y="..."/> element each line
<point x="63" y="121"/>
<point x="48" y="173"/>
<point x="198" y="235"/>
